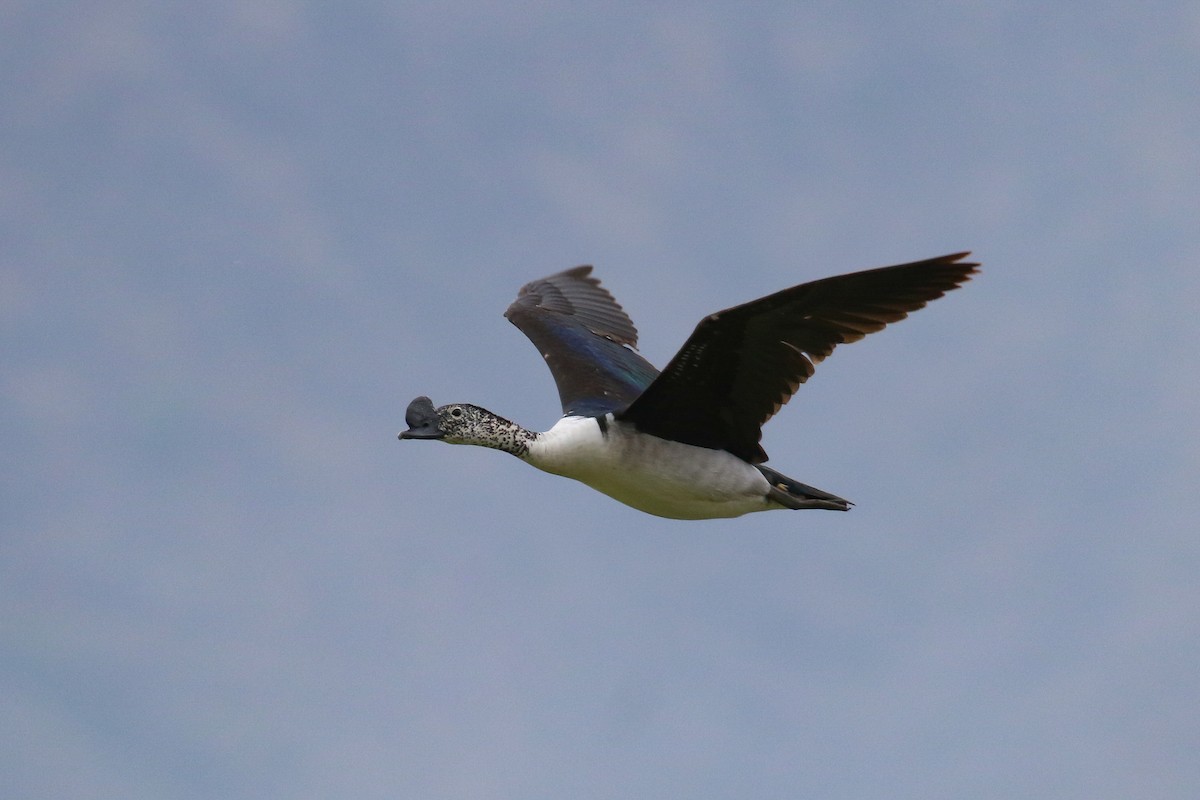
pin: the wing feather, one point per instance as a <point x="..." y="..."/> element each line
<point x="586" y="339"/>
<point x="741" y="365"/>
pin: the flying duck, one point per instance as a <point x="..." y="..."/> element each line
<point x="684" y="443"/>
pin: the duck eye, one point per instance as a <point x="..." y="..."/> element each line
<point x="456" y="412"/>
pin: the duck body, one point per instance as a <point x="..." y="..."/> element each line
<point x="683" y="443"/>
<point x="654" y="475"/>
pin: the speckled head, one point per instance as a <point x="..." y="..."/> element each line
<point x="463" y="423"/>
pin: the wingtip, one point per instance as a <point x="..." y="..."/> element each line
<point x="582" y="271"/>
<point x="972" y="267"/>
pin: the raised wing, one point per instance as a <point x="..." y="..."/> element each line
<point x="585" y="337"/>
<point x="741" y="365"/>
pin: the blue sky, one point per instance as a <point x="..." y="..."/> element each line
<point x="238" y="238"/>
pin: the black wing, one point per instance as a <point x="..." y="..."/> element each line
<point x="583" y="334"/>
<point x="741" y="365"/>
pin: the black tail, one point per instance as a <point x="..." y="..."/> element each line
<point x="793" y="494"/>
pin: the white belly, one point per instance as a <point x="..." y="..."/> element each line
<point x="660" y="477"/>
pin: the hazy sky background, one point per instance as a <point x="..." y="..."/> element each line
<point x="237" y="238"/>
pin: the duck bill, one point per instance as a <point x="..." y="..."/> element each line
<point x="428" y="430"/>
<point x="422" y="421"/>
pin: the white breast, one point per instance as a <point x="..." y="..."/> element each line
<point x="660" y="477"/>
